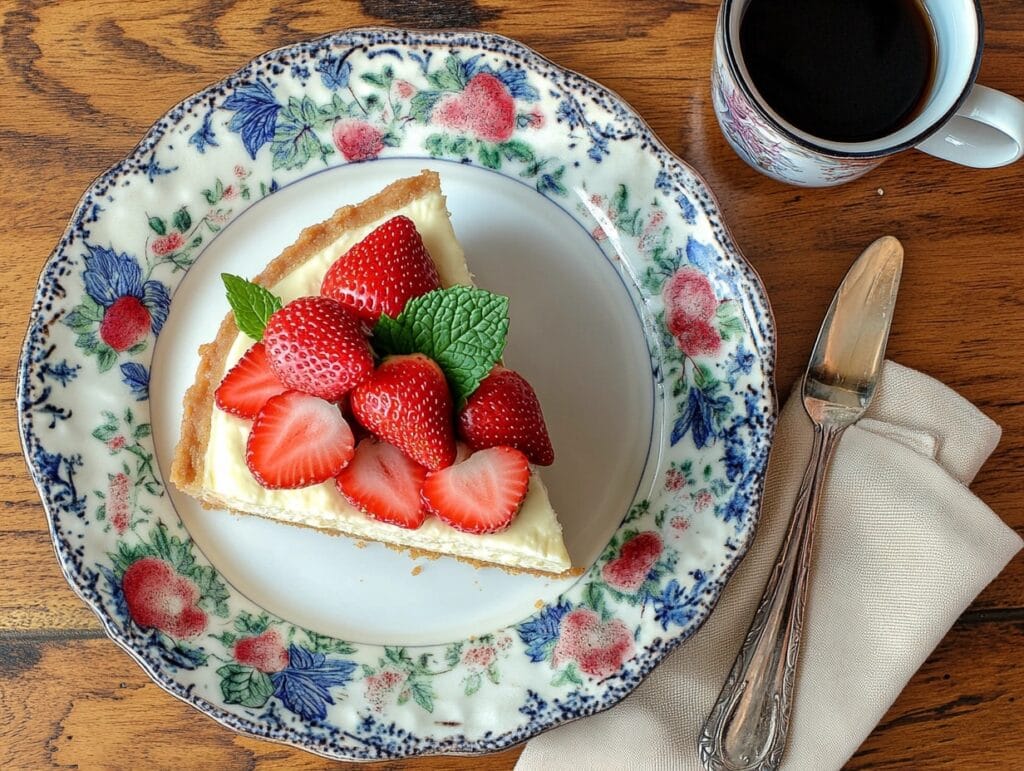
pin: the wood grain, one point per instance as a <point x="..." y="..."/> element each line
<point x="82" y="80"/>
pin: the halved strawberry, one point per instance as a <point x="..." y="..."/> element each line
<point x="382" y="272"/>
<point x="385" y="484"/>
<point x="504" y="411"/>
<point x="248" y="384"/>
<point x="406" y="402"/>
<point x="483" y="493"/>
<point x="317" y="346"/>
<point x="298" y="440"/>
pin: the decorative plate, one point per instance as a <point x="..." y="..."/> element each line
<point x="648" y="337"/>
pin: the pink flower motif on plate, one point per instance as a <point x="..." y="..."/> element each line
<point x="358" y="140"/>
<point x="265" y="652"/>
<point x="159" y="598"/>
<point x="690" y="304"/>
<point x="598" y="647"/>
<point x="485" y="109"/>
<point x="674" y="480"/>
<point x="167" y="244"/>
<point x="380" y="686"/>
<point x="118" y="507"/>
<point x="479" y="657"/>
<point x="703" y="500"/>
<point x="629" y="570"/>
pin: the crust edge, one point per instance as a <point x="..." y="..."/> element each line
<point x="190" y="454"/>
<point x="414" y="552"/>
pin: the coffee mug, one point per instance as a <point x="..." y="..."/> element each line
<point x="958" y="120"/>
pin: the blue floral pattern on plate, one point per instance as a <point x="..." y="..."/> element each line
<point x="353" y="97"/>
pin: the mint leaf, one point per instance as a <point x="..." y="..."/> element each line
<point x="462" y="328"/>
<point x="252" y="304"/>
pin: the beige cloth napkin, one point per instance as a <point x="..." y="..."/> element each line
<point x="902" y="547"/>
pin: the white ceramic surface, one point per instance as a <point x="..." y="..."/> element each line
<point x="633" y="314"/>
<point x="575" y="334"/>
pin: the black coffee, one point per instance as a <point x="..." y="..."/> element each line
<point x="845" y="70"/>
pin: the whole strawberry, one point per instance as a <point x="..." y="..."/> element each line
<point x="316" y="346"/>
<point x="382" y="272"/>
<point x="406" y="402"/>
<point x="504" y="412"/>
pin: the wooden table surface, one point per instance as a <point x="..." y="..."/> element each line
<point x="82" y="80"/>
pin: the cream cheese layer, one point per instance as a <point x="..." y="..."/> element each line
<point x="533" y="540"/>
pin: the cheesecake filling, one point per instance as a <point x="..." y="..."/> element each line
<point x="533" y="540"/>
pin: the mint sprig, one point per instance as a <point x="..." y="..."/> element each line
<point x="462" y="328"/>
<point x="252" y="304"/>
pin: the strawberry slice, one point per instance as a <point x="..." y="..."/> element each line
<point x="248" y="384"/>
<point x="384" y="484"/>
<point x="382" y="272"/>
<point x="298" y="440"/>
<point x="483" y="493"/>
<point x="504" y="411"/>
<point x="317" y="346"/>
<point x="406" y="402"/>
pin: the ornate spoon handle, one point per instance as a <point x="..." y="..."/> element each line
<point x="747" y="727"/>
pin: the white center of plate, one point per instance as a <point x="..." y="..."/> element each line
<point x="575" y="336"/>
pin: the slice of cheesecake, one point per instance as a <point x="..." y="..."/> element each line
<point x="209" y="462"/>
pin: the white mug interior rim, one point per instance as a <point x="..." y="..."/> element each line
<point x="935" y="114"/>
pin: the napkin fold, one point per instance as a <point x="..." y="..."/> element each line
<point x="902" y="548"/>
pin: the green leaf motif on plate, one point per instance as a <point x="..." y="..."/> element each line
<point x="245" y="685"/>
<point x="295" y="139"/>
<point x="182" y="220"/>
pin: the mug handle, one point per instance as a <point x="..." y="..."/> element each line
<point x="987" y="131"/>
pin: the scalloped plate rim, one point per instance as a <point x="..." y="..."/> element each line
<point x="158" y="130"/>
